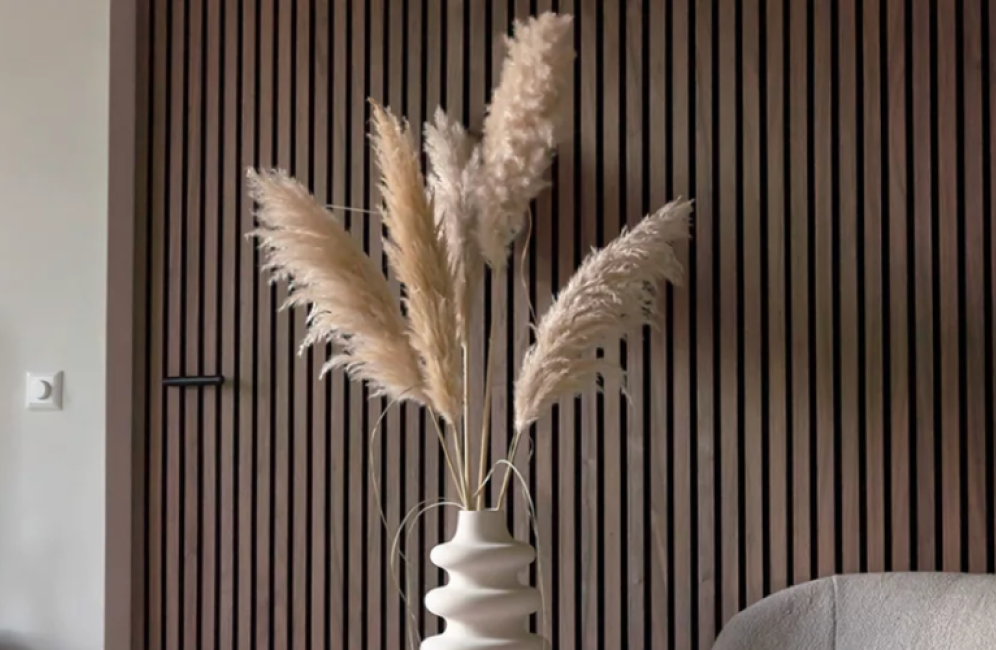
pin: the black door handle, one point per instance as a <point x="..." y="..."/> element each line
<point x="204" y="380"/>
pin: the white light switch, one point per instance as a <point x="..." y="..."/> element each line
<point x="43" y="391"/>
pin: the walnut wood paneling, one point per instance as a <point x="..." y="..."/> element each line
<point x="817" y="398"/>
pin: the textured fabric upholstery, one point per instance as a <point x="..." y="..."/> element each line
<point x="890" y="611"/>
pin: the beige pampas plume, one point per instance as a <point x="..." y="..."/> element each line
<point x="350" y="301"/>
<point x="453" y="168"/>
<point x="610" y="296"/>
<point x="521" y="131"/>
<point x="417" y="255"/>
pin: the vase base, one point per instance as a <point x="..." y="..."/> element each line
<point x="443" y="642"/>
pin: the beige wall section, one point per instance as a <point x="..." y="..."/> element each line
<point x="53" y="219"/>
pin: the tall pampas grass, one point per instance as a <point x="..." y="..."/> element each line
<point x="523" y="126"/>
<point x="610" y="296"/>
<point x="453" y="170"/>
<point x="350" y="302"/>
<point x="417" y="255"/>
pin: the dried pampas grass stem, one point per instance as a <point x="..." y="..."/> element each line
<point x="417" y="255"/>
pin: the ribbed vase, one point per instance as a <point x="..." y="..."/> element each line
<point x="484" y="603"/>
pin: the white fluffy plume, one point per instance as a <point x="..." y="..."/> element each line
<point x="611" y="295"/>
<point x="521" y="131"/>
<point x="453" y="170"/>
<point x="350" y="301"/>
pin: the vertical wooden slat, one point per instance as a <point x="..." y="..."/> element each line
<point x="229" y="327"/>
<point x="247" y="327"/>
<point x="265" y="363"/>
<point x="191" y="333"/>
<point x="413" y="47"/>
<point x="303" y="385"/>
<point x="567" y="525"/>
<point x="752" y="253"/>
<point x="799" y="227"/>
<point x="774" y="211"/>
<point x="634" y="182"/>
<point x="846" y="207"/>
<point x="589" y="25"/>
<point x="433" y="465"/>
<point x="973" y="150"/>
<point x="656" y="555"/>
<point x="209" y="352"/>
<point x="393" y="478"/>
<point x="172" y="427"/>
<point x="159" y="427"/>
<point x="705" y="243"/>
<point x="900" y="428"/>
<point x="284" y="430"/>
<point x="922" y="327"/>
<point x="352" y="31"/>
<point x="950" y="222"/>
<point x="871" y="140"/>
<point x="501" y="22"/>
<point x="727" y="186"/>
<point x="611" y="525"/>
<point x="375" y="84"/>
<point x="822" y="220"/>
<point x="324" y="565"/>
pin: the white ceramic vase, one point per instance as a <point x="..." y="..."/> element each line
<point x="484" y="603"/>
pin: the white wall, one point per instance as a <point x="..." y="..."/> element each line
<point x="53" y="223"/>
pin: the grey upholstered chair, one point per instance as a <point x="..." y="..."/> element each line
<point x="891" y="611"/>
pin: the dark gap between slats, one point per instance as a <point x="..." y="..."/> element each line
<point x="621" y="180"/>
<point x="739" y="199"/>
<point x="599" y="429"/>
<point x="422" y="430"/>
<point x="716" y="366"/>
<point x="237" y="559"/>
<point x="987" y="210"/>
<point x="668" y="339"/>
<point x="164" y="349"/>
<point x="884" y="247"/>
<point x="959" y="45"/>
<point x="865" y="489"/>
<point x="272" y="309"/>
<point x="349" y="562"/>
<point x="811" y="289"/>
<point x="935" y="275"/>
<point x="151" y="227"/>
<point x="863" y="366"/>
<point x="765" y="201"/>
<point x="645" y="435"/>
<point x="693" y="347"/>
<point x="365" y="553"/>
<point x="182" y="345"/>
<point x="576" y="501"/>
<point x="219" y="324"/>
<point x="838" y="474"/>
<point x="911" y="293"/>
<point x="256" y="344"/>
<point x="790" y="522"/>
<point x="201" y="335"/>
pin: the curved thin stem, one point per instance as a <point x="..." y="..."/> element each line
<point x="486" y="419"/>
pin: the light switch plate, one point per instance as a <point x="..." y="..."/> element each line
<point x="43" y="391"/>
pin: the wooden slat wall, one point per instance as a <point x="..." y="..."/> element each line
<point x="818" y="397"/>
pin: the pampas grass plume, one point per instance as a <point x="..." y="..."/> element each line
<point x="453" y="169"/>
<point x="417" y="255"/>
<point x="610" y="296"/>
<point x="522" y="129"/>
<point x="350" y="301"/>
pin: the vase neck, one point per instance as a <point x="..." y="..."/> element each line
<point x="482" y="525"/>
